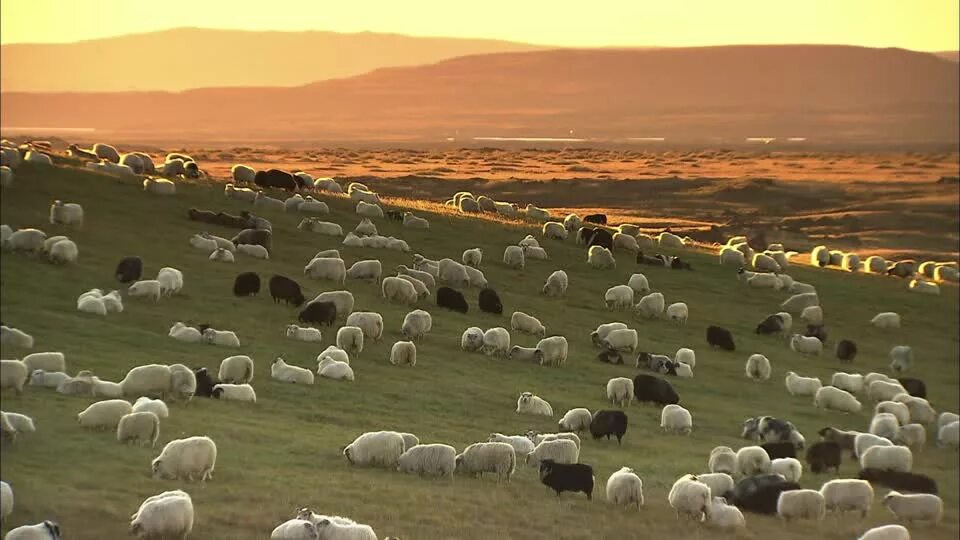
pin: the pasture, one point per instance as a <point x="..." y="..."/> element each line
<point x="283" y="453"/>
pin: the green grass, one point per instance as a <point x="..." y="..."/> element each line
<point x="282" y="453"/>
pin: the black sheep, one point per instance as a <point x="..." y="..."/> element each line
<point x="451" y="299"/>
<point x="773" y="324"/>
<point x="759" y="494"/>
<point x="585" y="234"/>
<point x="823" y="455"/>
<point x="275" y="178"/>
<point x="600" y="219"/>
<point x="846" y="350"/>
<point x="609" y="422"/>
<point x="246" y="284"/>
<point x="490" y="302"/>
<point x="286" y="289"/>
<point x="679" y="264"/>
<point x="191" y="169"/>
<point x="319" y="313"/>
<point x="914" y="387"/>
<point x="900" y="481"/>
<point x="651" y="389"/>
<point x="818" y="331"/>
<point x="260" y="237"/>
<point x="648" y="260"/>
<point x="129" y="269"/>
<point x="203" y="216"/>
<point x="720" y="337"/>
<point x="395" y="215"/>
<point x="601" y="238"/>
<point x="610" y="357"/>
<point x="230" y="220"/>
<point x="567" y="477"/>
<point x="781" y="449"/>
<point x="205" y="383"/>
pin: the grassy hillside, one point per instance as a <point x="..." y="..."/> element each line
<point x="283" y="453"/>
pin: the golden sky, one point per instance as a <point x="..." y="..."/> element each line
<point x="926" y="25"/>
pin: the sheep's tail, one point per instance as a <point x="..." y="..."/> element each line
<point x="248" y="373"/>
<point x="155" y="434"/>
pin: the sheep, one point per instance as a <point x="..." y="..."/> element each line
<point x="802" y="386"/>
<point x="920" y="410"/>
<point x="850" y="382"/>
<point x="322" y="227"/>
<point x="528" y="241"/>
<point x="521" y="322"/>
<point x="151" y="379"/>
<point x="26" y="240"/>
<point x="899" y="411"/>
<point x="924" y="287"/>
<point x="789" y="468"/>
<point x="765" y="263"/>
<point x="948" y="435"/>
<point x="914" y="387"/>
<point x="426" y="277"/>
<point x="104" y="414"/>
<point x="171" y="280"/>
<point x="689" y="498"/>
<point x="333" y="369"/>
<point x="842" y="495"/>
<point x="752" y="460"/>
<point x="620" y="391"/>
<point x="496" y="342"/>
<point x="801" y="504"/>
<point x="624" y="488"/>
<point x="558" y="450"/>
<point x="901" y="358"/>
<point x="556" y="284"/>
<point x="472" y="257"/>
<point x="236" y="369"/>
<point x="366" y="269"/>
<point x="513" y="257"/>
<point x="472" y="339"/>
<point x="946" y="273"/>
<point x="493" y="457"/>
<point x="149" y="288"/>
<point x="66" y="213"/>
<point x="186" y="458"/>
<point x="722" y="460"/>
<point x="625" y="242"/>
<point x="403" y="353"/>
<point x="141" y="426"/>
<point x="350" y="339"/>
<point x="886" y="532"/>
<point x="807" y="345"/>
<point x="528" y="403"/>
<point x="600" y="257"/>
<point x="651" y="306"/>
<point x="676" y="419"/>
<point x="946" y="418"/>
<point x="489" y="301"/>
<point x="555" y="230"/>
<point x="184" y="333"/>
<point x="6" y="500"/>
<point x="223" y="338"/>
<point x="913" y="436"/>
<point x="14" y="337"/>
<point x="234" y="392"/>
<point x="155" y="406"/>
<point x="365" y="228"/>
<point x="864" y="441"/>
<point x="416" y="324"/>
<point x="521" y="444"/>
<point x="717" y="482"/>
<point x="45" y="530"/>
<point x="47" y="379"/>
<point x="253" y="250"/>
<point x="887" y="458"/>
<point x="575" y="420"/>
<point x="334" y="353"/>
<point x="758" y="368"/>
<point x="48" y="361"/>
<point x="159" y="186"/>
<point x="552" y="351"/>
<point x="878" y="391"/>
<point x="371" y="323"/>
<point x="20" y="423"/>
<point x="420" y="287"/>
<point x="326" y="268"/>
<point x="283" y="372"/>
<point x="167" y="515"/>
<point x="830" y="398"/>
<point x="369" y="210"/>
<point x="812" y="315"/>
<point x="600" y="334"/>
<point x="399" y="290"/>
<point x="303" y="333"/>
<point x="428" y="459"/>
<point x="677" y="312"/>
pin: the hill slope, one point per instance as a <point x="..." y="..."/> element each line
<point x="282" y="453"/>
<point x="824" y="93"/>
<point x="184" y="58"/>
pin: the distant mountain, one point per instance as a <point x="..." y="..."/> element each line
<point x="824" y="93"/>
<point x="183" y="58"/>
<point x="953" y="56"/>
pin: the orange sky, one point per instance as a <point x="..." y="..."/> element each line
<point x="927" y="25"/>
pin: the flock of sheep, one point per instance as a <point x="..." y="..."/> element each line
<point x="760" y="477"/>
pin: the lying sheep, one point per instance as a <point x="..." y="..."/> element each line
<point x="330" y="368"/>
<point x="234" y="392"/>
<point x="830" y="398"/>
<point x="253" y="250"/>
<point x="493" y="457"/>
<point x="149" y="288"/>
<point x="223" y="338"/>
<point x="139" y="426"/>
<point x="186" y="458"/>
<point x="886" y="320"/>
<point x="528" y="403"/>
<point x="802" y="386"/>
<point x="104" y="414"/>
<point x="924" y="287"/>
<point x="428" y="459"/>
<point x="322" y="227"/>
<point x="283" y="372"/>
<point x="159" y="186"/>
<point x="44" y="530"/>
<point x="47" y="379"/>
<point x="303" y="333"/>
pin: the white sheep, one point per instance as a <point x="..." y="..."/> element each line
<point x="327" y="184"/>
<point x="148" y="288"/>
<point x="45" y="530"/>
<point x="830" y="398"/>
<point x="625" y="242"/>
<point x="403" y="353"/>
<point x="802" y="386"/>
<point x="913" y="436"/>
<point x="47" y="379"/>
<point x="104" y="414"/>
<point x="722" y="460"/>
<point x="472" y="339"/>
<point x="416" y="324"/>
<point x="428" y="459"/>
<point x="850" y="262"/>
<point x="236" y="369"/>
<point x="670" y="240"/>
<point x="496" y="342"/>
<point x="528" y="403"/>
<point x="717" y="482"/>
<point x="326" y="268"/>
<point x="620" y="391"/>
<point x="880" y="390"/>
<point x="535" y="253"/>
<point x="313" y="206"/>
<point x="624" y="488"/>
<point x="527" y="324"/>
<point x="493" y="457"/>
<point x="155" y="406"/>
<point x="538" y="438"/>
<point x="851" y="382"/>
<point x="159" y="186"/>
<point x="676" y="419"/>
<point x="334" y="369"/>
<point x="66" y="213"/>
<point x="758" y="367"/>
<point x="720" y="515"/>
<point x="901" y="358"/>
<point x="322" y="227"/>
<point x="370" y="269"/>
<point x="513" y="257"/>
<point x="399" y="290"/>
<point x="949" y="435"/>
<point x="21" y="423"/>
<point x="790" y="468"/>
<point x="186" y="458"/>
<point x="864" y="441"/>
<point x="171" y="280"/>
<point x="151" y="379"/>
<point x="167" y="515"/>
<point x="529" y="241"/>
<point x="884" y="425"/>
<point x="801" y="504"/>
<point x="809" y="345"/>
<point x="886" y="320"/>
<point x="559" y="450"/>
<point x="620" y="339"/>
<point x="619" y="297"/>
<point x="13" y="374"/>
<point x="283" y="372"/>
<point x="254" y="250"/>
<point x="812" y="315"/>
<point x="6" y="500"/>
<point x="575" y="420"/>
<point x="798" y="302"/>
<point x="765" y="263"/>
<point x="141" y="426"/>
<point x="947" y="418"/>
<point x="847" y="494"/>
<point x="334" y="353"/>
<point x="303" y="333"/>
<point x="26" y="240"/>
<point x="600" y="257"/>
<point x="14" y="337"/>
<point x="552" y="351"/>
<point x="650" y="306"/>
<point x="924" y="287"/>
<point x="350" y="339"/>
<point x="421" y="288"/>
<point x="572" y="222"/>
<point x="64" y="251"/>
<point x="242" y="173"/>
<point x="223" y="338"/>
<point x="200" y="242"/>
<point x="369" y="210"/>
<point x="920" y="409"/>
<point x="521" y="444"/>
<point x="6" y="176"/>
<point x="472" y="257"/>
<point x="900" y="412"/>
<point x="689" y="498"/>
<point x="412" y="221"/>
<point x="556" y="230"/>
<point x="91" y="304"/>
<point x="365" y="228"/>
<point x="291" y="204"/>
<point x="556" y="284"/>
<point x="371" y="323"/>
<point x="678" y="312"/>
<point x="752" y="460"/>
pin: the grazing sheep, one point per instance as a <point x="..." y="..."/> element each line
<point x="850" y="382"/>
<point x="720" y="337"/>
<point x="625" y="242"/>
<point x="606" y="423"/>
<point x="567" y="477"/>
<point x="758" y="367"/>
<point x="104" y="414"/>
<point x="802" y="386"/>
<point x="371" y="323"/>
<point x="45" y="530"/>
<point x="496" y="342"/>
<point x="806" y="345"/>
<point x="624" y="488"/>
<point x="171" y="280"/>
<point x="600" y="257"/>
<point x="428" y="459"/>
<point x="14" y="337"/>
<point x="752" y="460"/>
<point x="801" y="504"/>
<point x="676" y="419"/>
<point x="167" y="515"/>
<point x="949" y="435"/>
<point x="472" y="339"/>
<point x="416" y="324"/>
<point x="20" y="423"/>
<point x="864" y="441"/>
<point x="812" y="315"/>
<point x="472" y="257"/>
<point x="489" y="301"/>
<point x="600" y="334"/>
<point x="901" y="358"/>
<point x="720" y="515"/>
<point x="556" y="284"/>
<point x="913" y="436"/>
<point x="556" y="450"/>
<point x="186" y="458"/>
<point x="788" y="467"/>
<point x="619" y="297"/>
<point x="151" y="379"/>
<point x="722" y="460"/>
<point x="830" y="398"/>
<point x="689" y="498"/>
<point x="450" y="299"/>
<point x="6" y="500"/>
<point x="920" y="410"/>
<point x="528" y="403"/>
<point x="343" y="300"/>
<point x="236" y="369"/>
<point x="552" y="351"/>
<point x="651" y="389"/>
<point x="917" y="483"/>
<point x="556" y="230"/>
<point x="575" y="420"/>
<point x="521" y="322"/>
<point x="283" y="372"/>
<point x="843" y="495"/>
<point x="946" y="418"/>
<point x="141" y="426"/>
<point x="403" y="291"/>
<point x="403" y="353"/>
<point x="493" y="457"/>
<point x="26" y="240"/>
<point x="47" y="361"/>
<point x="880" y="390"/>
<point x="825" y="454"/>
<point x="419" y="287"/>
<point x="66" y="214"/>
<point x="621" y="340"/>
<point x="513" y="257"/>
<point x="677" y="312"/>
<point x="155" y="406"/>
<point x="620" y="391"/>
<point x="366" y="269"/>
<point x="350" y="339"/>
<point x="717" y="482"/>
<point x="149" y="288"/>
<point x="901" y="417"/>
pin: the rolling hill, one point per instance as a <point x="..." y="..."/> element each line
<point x="182" y="58"/>
<point x="823" y="93"/>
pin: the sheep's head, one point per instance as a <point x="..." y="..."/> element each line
<point x="217" y="393"/>
<point x="155" y="468"/>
